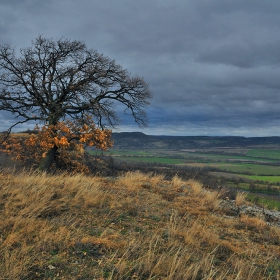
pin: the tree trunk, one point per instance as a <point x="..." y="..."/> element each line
<point x="47" y="161"/>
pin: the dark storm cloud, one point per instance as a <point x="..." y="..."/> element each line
<point x="213" y="66"/>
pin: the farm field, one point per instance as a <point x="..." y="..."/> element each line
<point x="252" y="170"/>
<point x="252" y="163"/>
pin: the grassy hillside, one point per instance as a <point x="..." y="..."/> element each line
<point x="135" y="226"/>
<point x="250" y="169"/>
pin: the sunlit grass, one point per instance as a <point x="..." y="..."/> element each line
<point x="135" y="226"/>
<point x="240" y="198"/>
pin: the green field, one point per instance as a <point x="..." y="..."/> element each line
<point x="270" y="179"/>
<point x="206" y="157"/>
<point x="253" y="169"/>
<point x="143" y="159"/>
<point x="260" y="153"/>
<point x="252" y="164"/>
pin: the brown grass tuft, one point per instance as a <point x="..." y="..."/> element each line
<point x="240" y="198"/>
<point x="253" y="223"/>
<point x="196" y="186"/>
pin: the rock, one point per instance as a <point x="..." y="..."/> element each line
<point x="270" y="216"/>
<point x="51" y="267"/>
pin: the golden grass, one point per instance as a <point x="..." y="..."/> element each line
<point x="253" y="223"/>
<point x="136" y="226"/>
<point x="240" y="198"/>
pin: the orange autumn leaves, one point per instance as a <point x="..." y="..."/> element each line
<point x="70" y="138"/>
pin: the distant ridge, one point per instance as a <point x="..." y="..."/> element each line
<point x="130" y="134"/>
<point x="139" y="140"/>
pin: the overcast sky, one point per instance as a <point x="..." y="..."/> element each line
<point x="213" y="66"/>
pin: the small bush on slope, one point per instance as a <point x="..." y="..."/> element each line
<point x="136" y="226"/>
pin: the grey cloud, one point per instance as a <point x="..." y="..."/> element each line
<point x="213" y="66"/>
<point x="243" y="55"/>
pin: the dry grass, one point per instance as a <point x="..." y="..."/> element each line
<point x="240" y="198"/>
<point x="253" y="223"/>
<point x="136" y="226"/>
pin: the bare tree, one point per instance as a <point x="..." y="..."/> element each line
<point x="57" y="80"/>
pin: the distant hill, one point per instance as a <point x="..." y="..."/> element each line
<point x="139" y="140"/>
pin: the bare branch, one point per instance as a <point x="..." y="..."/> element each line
<point x="60" y="79"/>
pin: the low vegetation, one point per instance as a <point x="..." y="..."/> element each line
<point x="66" y="140"/>
<point x="252" y="169"/>
<point x="133" y="226"/>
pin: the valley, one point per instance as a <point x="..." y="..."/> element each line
<point x="244" y="164"/>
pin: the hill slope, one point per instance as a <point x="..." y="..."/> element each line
<point x="138" y="140"/>
<point x="134" y="226"/>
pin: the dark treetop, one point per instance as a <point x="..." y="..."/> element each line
<point x="53" y="80"/>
